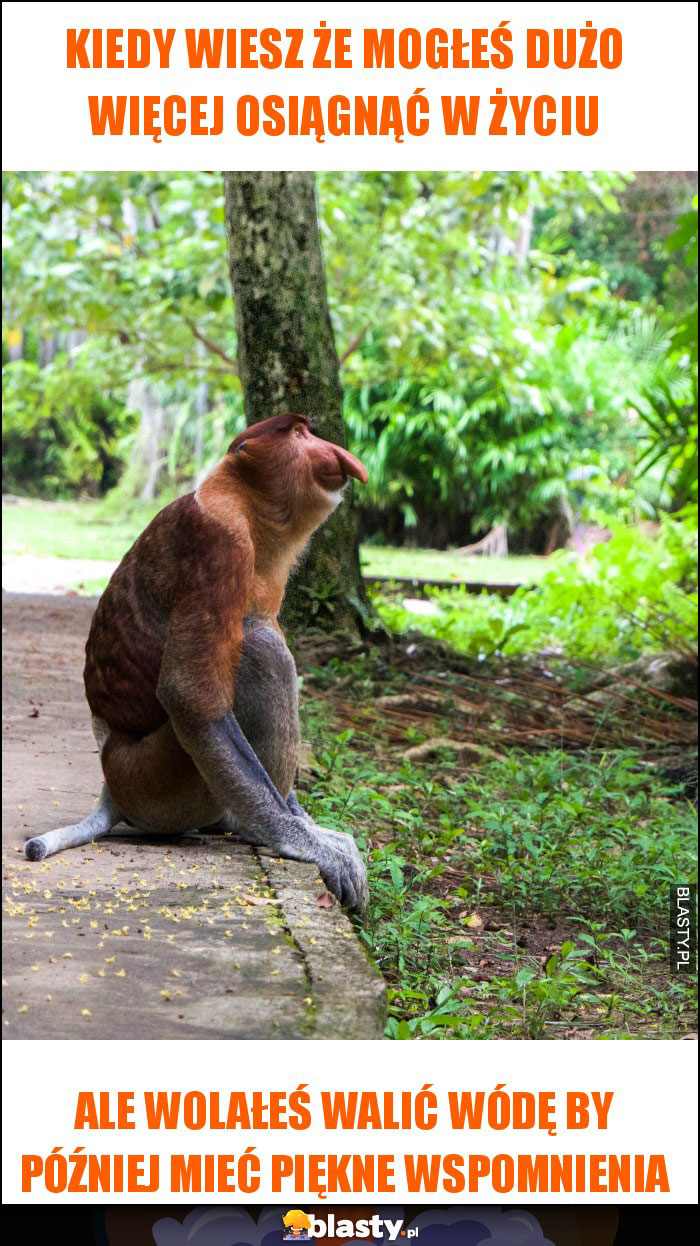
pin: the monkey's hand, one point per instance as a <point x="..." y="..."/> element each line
<point x="334" y="853"/>
<point x="345" y="860"/>
<point x="342" y="869"/>
<point x="338" y="859"/>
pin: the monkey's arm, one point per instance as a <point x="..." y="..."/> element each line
<point x="234" y="774"/>
<point x="194" y="685"/>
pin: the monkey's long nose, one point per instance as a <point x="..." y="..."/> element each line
<point x="350" y="465"/>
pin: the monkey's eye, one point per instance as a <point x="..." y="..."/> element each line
<point x="299" y="431"/>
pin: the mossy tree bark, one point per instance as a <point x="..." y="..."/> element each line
<point x="287" y="362"/>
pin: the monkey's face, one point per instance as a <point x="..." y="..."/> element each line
<point x="323" y="467"/>
<point x="285" y="459"/>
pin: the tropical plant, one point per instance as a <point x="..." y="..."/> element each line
<point x="634" y="594"/>
<point x="671" y="439"/>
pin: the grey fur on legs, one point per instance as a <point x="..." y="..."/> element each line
<point x="97" y="824"/>
<point x="238" y="772"/>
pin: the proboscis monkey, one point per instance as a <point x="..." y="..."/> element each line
<point x="192" y="688"/>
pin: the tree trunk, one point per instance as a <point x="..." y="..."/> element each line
<point x="148" y="459"/>
<point x="287" y="362"/>
<point x="201" y="407"/>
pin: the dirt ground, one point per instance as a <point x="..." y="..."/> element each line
<point x="199" y="937"/>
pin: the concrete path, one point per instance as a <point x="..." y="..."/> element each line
<point x="198" y="937"/>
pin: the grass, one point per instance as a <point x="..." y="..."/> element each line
<point x="527" y="898"/>
<point x="95" y="529"/>
<point x="432" y="564"/>
<point x="71" y="529"/>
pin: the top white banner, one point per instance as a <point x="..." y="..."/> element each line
<point x="350" y="86"/>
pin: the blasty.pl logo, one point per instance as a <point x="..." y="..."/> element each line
<point x="300" y="1227"/>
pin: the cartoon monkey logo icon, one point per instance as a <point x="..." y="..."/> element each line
<point x="296" y="1226"/>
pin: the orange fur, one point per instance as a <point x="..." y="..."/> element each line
<point x="174" y="608"/>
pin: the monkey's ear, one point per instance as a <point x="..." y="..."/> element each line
<point x="234" y="449"/>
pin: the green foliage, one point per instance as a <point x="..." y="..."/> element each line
<point x="685" y="239"/>
<point x="473" y="624"/>
<point x="671" y="422"/>
<point x="631" y="595"/>
<point x="479" y="386"/>
<point x="668" y="406"/>
<point x="526" y="898"/>
<point x="491" y="356"/>
<point x="629" y="242"/>
<point x="137" y="262"/>
<point x="579" y="835"/>
<point x="449" y="391"/>
<point x="61" y="429"/>
<point x="476" y="453"/>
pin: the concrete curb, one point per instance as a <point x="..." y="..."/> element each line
<point x="137" y="937"/>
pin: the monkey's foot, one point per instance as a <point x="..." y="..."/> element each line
<point x="36" y="849"/>
<point x="97" y="824"/>
<point x="85" y="832"/>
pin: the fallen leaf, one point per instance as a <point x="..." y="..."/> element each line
<point x="258" y="900"/>
<point x="474" y="920"/>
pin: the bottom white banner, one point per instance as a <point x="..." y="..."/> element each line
<point x="283" y="1122"/>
